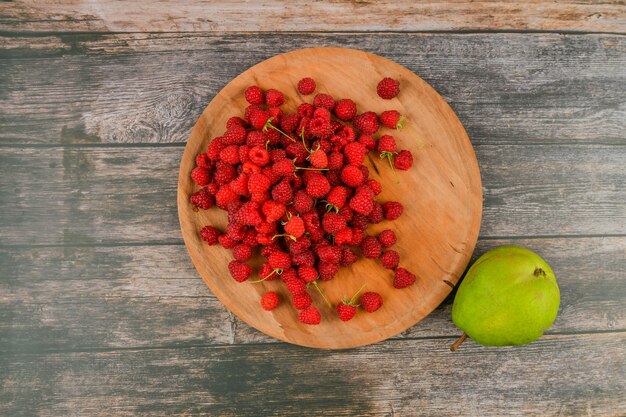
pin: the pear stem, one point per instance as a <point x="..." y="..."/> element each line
<point x="458" y="343"/>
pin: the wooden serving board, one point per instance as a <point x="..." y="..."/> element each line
<point x="441" y="194"/>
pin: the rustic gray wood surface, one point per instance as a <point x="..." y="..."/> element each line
<point x="101" y="310"/>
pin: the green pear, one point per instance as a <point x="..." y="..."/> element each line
<point x="508" y="297"/>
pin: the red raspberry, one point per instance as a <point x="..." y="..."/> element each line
<point x="390" y="259"/>
<point x="244" y="150"/>
<point x="254" y="95"/>
<point x="367" y="141"/>
<point x="327" y="270"/>
<point x="357" y="236"/>
<point x="202" y="199"/>
<point x="371" y="301"/>
<point x="249" y="214"/>
<point x="376" y="215"/>
<point x="392" y="119"/>
<point x="264" y="239"/>
<point x="320" y="127"/>
<point x="271" y="137"/>
<point x="374" y="186"/>
<point x="362" y="202"/>
<point x="322" y="113"/>
<point x="284" y="167"/>
<point x="366" y="122"/>
<point x="347" y="213"/>
<point x="267" y="273"/>
<point x="224" y="196"/>
<point x="297" y="151"/>
<point x="242" y="252"/>
<point x="351" y="175"/>
<point x="270" y="300"/>
<point x="230" y="154"/>
<point x="289" y="122"/>
<point x="255" y="138"/>
<point x="201" y="176"/>
<point x="226" y="241"/>
<point x="301" y="301"/>
<point x="386" y="143"/>
<point x="214" y="148"/>
<point x="403" y="278"/>
<point x="311" y="221"/>
<point x="304" y="259"/>
<point x="348" y="257"/>
<point x="259" y="156"/>
<point x="277" y="155"/>
<point x="333" y="223"/>
<point x="324" y="100"/>
<point x="318" y="159"/>
<point x="346" y="134"/>
<point x="329" y="253"/>
<point x="307" y="273"/>
<point x="317" y="186"/>
<point x="257" y="183"/>
<point x="306" y="110"/>
<point x="337" y="196"/>
<point x="294" y="284"/>
<point x="203" y="161"/>
<point x="299" y="245"/>
<point x="392" y="209"/>
<point x="345" y="311"/>
<point x="355" y="153"/>
<point x="276" y="114"/>
<point x="306" y="86"/>
<point x="258" y="118"/>
<point x="235" y="120"/>
<point x="335" y="160"/>
<point x="370" y="247"/>
<point x="282" y="192"/>
<point x="235" y="135"/>
<point x="280" y="260"/>
<point x="288" y="274"/>
<point x="302" y="202"/>
<point x="224" y="173"/>
<point x="295" y="227"/>
<point x="266" y="228"/>
<point x="250" y="238"/>
<point x="343" y="237"/>
<point x="310" y="315"/>
<point x="387" y="238"/>
<point x="345" y="109"/>
<point x="388" y="88"/>
<point x="273" y="210"/>
<point x="239" y="270"/>
<point x="210" y="235"/>
<point x="404" y="160"/>
<point x="274" y="98"/>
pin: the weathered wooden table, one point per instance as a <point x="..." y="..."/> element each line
<point x="101" y="310"/>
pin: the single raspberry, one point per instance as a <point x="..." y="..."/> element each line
<point x="336" y="198"/>
<point x="371" y="301"/>
<point x="224" y="173"/>
<point x="235" y="135"/>
<point x="299" y="245"/>
<point x="244" y="151"/>
<point x="258" y="118"/>
<point x="214" y="148"/>
<point x="289" y="122"/>
<point x="276" y="114"/>
<point x="306" y="110"/>
<point x="267" y="273"/>
<point x="346" y="134"/>
<point x="224" y="196"/>
<point x="387" y="238"/>
<point x="295" y="227"/>
<point x="307" y="273"/>
<point x="370" y="247"/>
<point x="322" y="113"/>
<point x="273" y="210"/>
<point x="284" y="167"/>
<point x="226" y="241"/>
<point x="242" y="252"/>
<point x="345" y="311"/>
<point x="367" y="141"/>
<point x="269" y="249"/>
<point x="324" y="100"/>
<point x="327" y="270"/>
<point x="280" y="260"/>
<point x="357" y="236"/>
<point x="259" y="156"/>
<point x="329" y="253"/>
<point x="317" y="186"/>
<point x="212" y="188"/>
<point x="392" y="119"/>
<point x="362" y="202"/>
<point x="318" y="159"/>
<point x="302" y="202"/>
<point x="304" y="259"/>
<point x="264" y="239"/>
<point x="266" y="228"/>
<point x="404" y="160"/>
<point x="270" y="300"/>
<point x="289" y="273"/>
<point x="347" y="213"/>
<point x="250" y="238"/>
<point x="301" y="301"/>
<point x="388" y="88"/>
<point x="271" y="137"/>
<point x="210" y="235"/>
<point x="403" y="278"/>
<point x="316" y="235"/>
<point x="203" y="161"/>
<point x="386" y="143"/>
<point x="355" y="153"/>
<point x="352" y="176"/>
<point x="230" y="154"/>
<point x="335" y="160"/>
<point x="374" y="186"/>
<point x="310" y="315"/>
<point x="202" y="199"/>
<point x="249" y="214"/>
<point x="239" y="270"/>
<point x="366" y="122"/>
<point x="255" y="138"/>
<point x="297" y="151"/>
<point x="390" y="259"/>
<point x="320" y="127"/>
<point x="282" y="192"/>
<point x="277" y="155"/>
<point x="392" y="209"/>
<point x="333" y="223"/>
<point x="235" y="120"/>
<point x="294" y="284"/>
<point x="348" y="257"/>
<point x="274" y="98"/>
<point x="343" y="237"/>
<point x="345" y="109"/>
<point x="254" y="95"/>
<point x="257" y="183"/>
<point x="376" y="215"/>
<point x="311" y="221"/>
<point x="306" y="86"/>
<point x="201" y="176"/>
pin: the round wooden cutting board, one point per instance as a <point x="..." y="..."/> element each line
<point x="441" y="194"/>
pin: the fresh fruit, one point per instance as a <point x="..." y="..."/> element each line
<point x="310" y="315"/>
<point x="388" y="88"/>
<point x="371" y="301"/>
<point x="270" y="300"/>
<point x="508" y="297"/>
<point x="306" y="86"/>
<point x="347" y="308"/>
<point x="403" y="278"/>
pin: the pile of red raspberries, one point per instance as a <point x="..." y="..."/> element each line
<point x="295" y="187"/>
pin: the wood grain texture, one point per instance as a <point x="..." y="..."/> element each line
<point x="273" y="16"/>
<point x="410" y="377"/>
<point x="109" y="195"/>
<point x="81" y="298"/>
<point x="151" y="88"/>
<point x="441" y="194"/>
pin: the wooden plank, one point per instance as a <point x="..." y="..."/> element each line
<point x="557" y="375"/>
<point x="151" y="88"/>
<point x="145" y="296"/>
<point x="78" y="195"/>
<point x="273" y="15"/>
